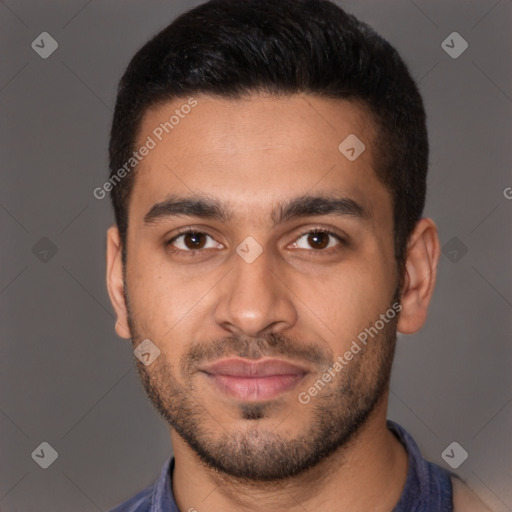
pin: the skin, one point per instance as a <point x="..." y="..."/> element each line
<point x="294" y="301"/>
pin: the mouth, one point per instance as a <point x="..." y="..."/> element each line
<point x="254" y="380"/>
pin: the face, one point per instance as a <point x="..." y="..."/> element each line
<point x="258" y="257"/>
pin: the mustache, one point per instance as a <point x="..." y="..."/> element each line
<point x="272" y="345"/>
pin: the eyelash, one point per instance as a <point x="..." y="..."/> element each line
<point x="193" y="252"/>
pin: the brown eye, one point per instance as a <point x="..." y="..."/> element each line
<point x="192" y="241"/>
<point x="318" y="240"/>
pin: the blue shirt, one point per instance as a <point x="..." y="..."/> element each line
<point x="428" y="487"/>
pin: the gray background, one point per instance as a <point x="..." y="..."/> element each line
<point x="66" y="377"/>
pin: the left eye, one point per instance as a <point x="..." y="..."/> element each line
<point x="317" y="240"/>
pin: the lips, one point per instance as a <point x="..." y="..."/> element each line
<point x="254" y="380"/>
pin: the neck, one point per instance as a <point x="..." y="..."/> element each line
<point x="368" y="473"/>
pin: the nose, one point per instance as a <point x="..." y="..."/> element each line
<point x="253" y="299"/>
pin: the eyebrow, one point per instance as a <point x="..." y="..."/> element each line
<point x="209" y="208"/>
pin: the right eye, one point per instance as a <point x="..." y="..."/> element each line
<point x="193" y="241"/>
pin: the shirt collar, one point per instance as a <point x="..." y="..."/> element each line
<point x="162" y="499"/>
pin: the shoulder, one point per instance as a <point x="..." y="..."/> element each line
<point x="157" y="496"/>
<point x="464" y="499"/>
<point x="138" y="503"/>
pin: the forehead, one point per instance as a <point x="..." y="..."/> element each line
<point x="256" y="150"/>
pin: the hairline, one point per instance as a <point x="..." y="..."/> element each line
<point x="371" y="122"/>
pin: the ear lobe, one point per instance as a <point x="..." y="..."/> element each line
<point x="122" y="330"/>
<point x="115" y="285"/>
<point x="420" y="276"/>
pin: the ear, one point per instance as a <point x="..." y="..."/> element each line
<point x="115" y="281"/>
<point x="423" y="252"/>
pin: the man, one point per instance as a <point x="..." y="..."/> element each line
<point x="268" y="166"/>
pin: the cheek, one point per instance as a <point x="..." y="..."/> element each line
<point x="346" y="301"/>
<point x="165" y="300"/>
